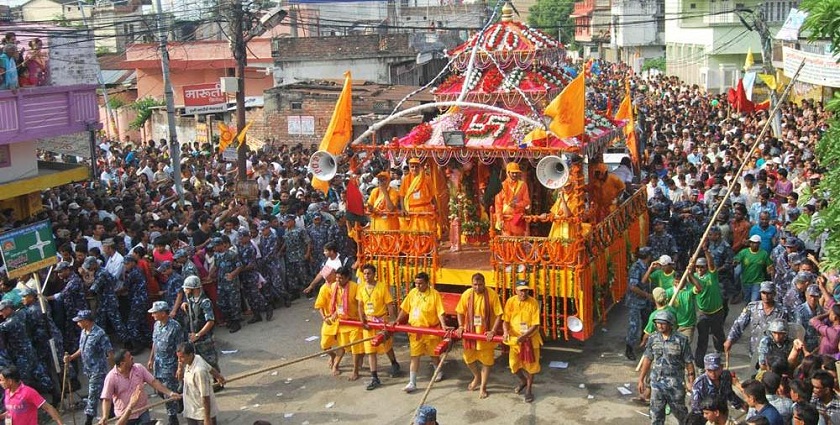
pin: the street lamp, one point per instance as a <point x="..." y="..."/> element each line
<point x="241" y="38"/>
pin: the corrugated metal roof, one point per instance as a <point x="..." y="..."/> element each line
<point x="118" y="76"/>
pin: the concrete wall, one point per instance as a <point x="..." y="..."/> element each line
<point x="159" y="127"/>
<point x="24" y="162"/>
<point x="629" y="31"/>
<point x="150" y="82"/>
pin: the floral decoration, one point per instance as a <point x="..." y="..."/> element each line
<point x="484" y="125"/>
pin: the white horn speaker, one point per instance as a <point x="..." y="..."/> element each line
<point x="323" y="165"/>
<point x="552" y="172"/>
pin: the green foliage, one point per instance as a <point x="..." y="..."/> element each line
<point x="823" y="22"/>
<point x="654" y="63"/>
<point x="548" y="15"/>
<point x="144" y="107"/>
<point x="116" y="102"/>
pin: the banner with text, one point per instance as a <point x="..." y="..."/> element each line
<point x="28" y="249"/>
<point x="204" y="99"/>
<point x="821" y="70"/>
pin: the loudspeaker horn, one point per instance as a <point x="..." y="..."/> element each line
<point x="552" y="172"/>
<point x="323" y="165"/>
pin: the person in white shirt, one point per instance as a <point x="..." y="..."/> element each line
<point x="200" y="407"/>
<point x="113" y="261"/>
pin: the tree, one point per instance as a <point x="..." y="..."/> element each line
<point x="144" y="107"/>
<point x="823" y="23"/>
<point x="552" y="17"/>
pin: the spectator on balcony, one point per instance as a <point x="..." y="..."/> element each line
<point x="36" y="63"/>
<point x="8" y="61"/>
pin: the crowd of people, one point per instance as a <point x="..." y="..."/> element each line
<point x="142" y="270"/>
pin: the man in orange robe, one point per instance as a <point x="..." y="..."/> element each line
<point x="382" y="204"/>
<point x="416" y="198"/>
<point x="605" y="188"/>
<point x="512" y="203"/>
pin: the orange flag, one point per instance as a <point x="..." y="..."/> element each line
<point x="625" y="112"/>
<point x="225" y="136"/>
<point x="340" y="130"/>
<point x="567" y="110"/>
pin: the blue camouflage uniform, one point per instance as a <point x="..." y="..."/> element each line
<point x="273" y="268"/>
<point x="22" y="353"/>
<point x="704" y="388"/>
<point x="173" y="286"/>
<point x="107" y="309"/>
<point x="41" y="328"/>
<point x="138" y="296"/>
<point x="687" y="234"/>
<point x="769" y="349"/>
<point x="166" y="339"/>
<point x="781" y="272"/>
<point x="318" y="237"/>
<point x="95" y="347"/>
<point x="199" y="312"/>
<point x="296" y="267"/>
<point x="803" y="315"/>
<point x="636" y="305"/>
<point x="229" y="290"/>
<point x="754" y="318"/>
<point x="72" y="298"/>
<point x="189" y="269"/>
<point x="249" y="279"/>
<point x="663" y="244"/>
<point x="669" y="358"/>
<point x="337" y="234"/>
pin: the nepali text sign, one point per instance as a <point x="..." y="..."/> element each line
<point x="204" y="99"/>
<point x="28" y="249"/>
<point x="820" y="70"/>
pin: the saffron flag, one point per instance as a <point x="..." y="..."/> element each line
<point x="241" y="136"/>
<point x="749" y="61"/>
<point x="769" y="80"/>
<point x="625" y="112"/>
<point x="763" y="106"/>
<point x="567" y="110"/>
<point x="340" y="129"/>
<point x="225" y="136"/>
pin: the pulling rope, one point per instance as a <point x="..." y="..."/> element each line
<point x="252" y="373"/>
<point x="732" y="182"/>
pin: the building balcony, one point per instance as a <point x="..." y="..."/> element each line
<point x="34" y="113"/>
<point x="583" y="8"/>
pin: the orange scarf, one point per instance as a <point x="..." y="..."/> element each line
<point x="416" y="182"/>
<point x="345" y="298"/>
<point x="485" y="318"/>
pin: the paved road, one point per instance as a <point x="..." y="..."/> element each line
<point x="584" y="393"/>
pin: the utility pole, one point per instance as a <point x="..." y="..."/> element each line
<point x="241" y="58"/>
<point x="174" y="145"/>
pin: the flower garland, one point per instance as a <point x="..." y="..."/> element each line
<point x="471" y="80"/>
<point x="493" y="39"/>
<point x="418" y="135"/>
<point x="484" y="125"/>
<point x="491" y="81"/>
<point x="510" y="41"/>
<point x="512" y="80"/>
<point x="551" y="78"/>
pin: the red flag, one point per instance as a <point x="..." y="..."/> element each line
<point x="738" y="99"/>
<point x="763" y="106"/>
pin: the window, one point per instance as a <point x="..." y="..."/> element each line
<point x="296" y="106"/>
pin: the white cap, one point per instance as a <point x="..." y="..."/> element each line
<point x="665" y="260"/>
<point x="755" y="238"/>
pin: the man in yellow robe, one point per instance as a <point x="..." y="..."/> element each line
<point x="422" y="308"/>
<point x="522" y="333"/>
<point x="376" y="305"/>
<point x="337" y="301"/>
<point x="479" y="311"/>
<point x="604" y="189"/>
<point x="512" y="203"/>
<point x="416" y="198"/>
<point x="382" y="204"/>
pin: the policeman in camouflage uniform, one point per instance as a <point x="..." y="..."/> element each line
<point x="183" y="264"/>
<point x="715" y="383"/>
<point x="14" y="337"/>
<point x="40" y="328"/>
<point x="172" y="285"/>
<point x="796" y="295"/>
<point x="95" y="350"/>
<point x="200" y="321"/>
<point x="776" y="345"/>
<point x="659" y="206"/>
<point x="782" y="276"/>
<point x="272" y="266"/>
<point x="72" y="299"/>
<point x="226" y="269"/>
<point x="102" y="284"/>
<point x="317" y="232"/>
<point x="337" y="234"/>
<point x="756" y="317"/>
<point x="163" y="362"/>
<point x="297" y="245"/>
<point x="807" y="310"/>
<point x="638" y="300"/>
<point x="686" y="228"/>
<point x="250" y="278"/>
<point x="660" y="242"/>
<point x="668" y="358"/>
<point x="138" y="296"/>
